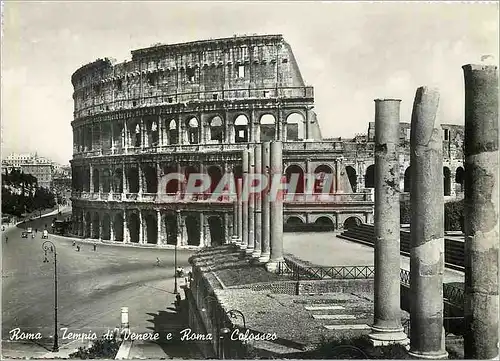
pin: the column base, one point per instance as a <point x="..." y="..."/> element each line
<point x="256" y="254"/>
<point x="439" y="355"/>
<point x="264" y="257"/>
<point x="242" y="246"/>
<point x="274" y="266"/>
<point x="381" y="337"/>
<point x="249" y="251"/>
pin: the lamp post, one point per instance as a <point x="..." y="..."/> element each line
<point x="225" y="330"/>
<point x="175" y="269"/>
<point x="48" y="246"/>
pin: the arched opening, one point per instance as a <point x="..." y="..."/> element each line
<point x="133" y="180"/>
<point x="86" y="177"/>
<point x="153" y="132"/>
<point x="171" y="228"/>
<point x="136" y="134"/>
<point x="459" y="179"/>
<point x="215" y="175"/>
<point x="216" y="229"/>
<point x="295" y="176"/>
<point x="95" y="179"/>
<point x="324" y="224"/>
<point x="133" y="227"/>
<point x="88" y="138"/>
<point x="95" y="226"/>
<point x="151" y="179"/>
<point x="370" y="177"/>
<point x="187" y="173"/>
<point x="267" y="128"/>
<point x="106" y="180"/>
<point x="106" y="136"/>
<point x="118" y="181"/>
<point x="295" y="127"/>
<point x="324" y="181"/>
<point x="117" y="136"/>
<point x="237" y="174"/>
<point x="173" y="133"/>
<point x="294" y="224"/>
<point x="193" y="230"/>
<point x="447" y="181"/>
<point x="407" y="180"/>
<point x="151" y="228"/>
<point x="351" y="222"/>
<point x="88" y="226"/>
<point x="118" y="227"/>
<point x="173" y="184"/>
<point x="216" y="130"/>
<point x="353" y="177"/>
<point x="241" y="129"/>
<point x="193" y="131"/>
<point x="106" y="227"/>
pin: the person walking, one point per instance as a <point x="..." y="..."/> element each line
<point x="157" y="262"/>
<point x="78" y="248"/>
<point x="95" y="247"/>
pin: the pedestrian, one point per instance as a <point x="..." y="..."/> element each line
<point x="6" y="239"/>
<point x="74" y="243"/>
<point x="157" y="261"/>
<point x="95" y="247"/>
<point x="78" y="248"/>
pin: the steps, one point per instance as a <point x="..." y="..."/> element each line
<point x="365" y="234"/>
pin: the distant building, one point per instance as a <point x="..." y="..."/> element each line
<point x="42" y="172"/>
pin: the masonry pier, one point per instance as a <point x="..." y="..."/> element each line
<point x="387" y="327"/>
<point x="266" y="221"/>
<point x="258" y="204"/>
<point x="244" y="195"/>
<point x="251" y="216"/>
<point x="481" y="212"/>
<point x="427" y="336"/>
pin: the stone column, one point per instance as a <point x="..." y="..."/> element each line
<point x="387" y="326"/>
<point x="202" y="230"/>
<point x="141" y="228"/>
<point x="100" y="228"/>
<point x="206" y="231"/>
<point x="180" y="225"/>
<point x="158" y="178"/>
<point x="141" y="180"/>
<point x="244" y="197"/>
<point x="240" y="211"/>
<point x="251" y="202"/>
<point x="158" y="226"/>
<point x="111" y="228"/>
<point x="258" y="204"/>
<point x="126" y="231"/>
<point x="227" y="229"/>
<point x="111" y="125"/>
<point x="266" y="221"/>
<point x="91" y="186"/>
<point x="124" y="180"/>
<point x="481" y="212"/>
<point x="276" y="208"/>
<point x="427" y="337"/>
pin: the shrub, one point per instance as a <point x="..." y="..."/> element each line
<point x="103" y="348"/>
<point x="454" y="216"/>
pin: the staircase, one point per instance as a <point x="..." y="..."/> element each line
<point x="365" y="234"/>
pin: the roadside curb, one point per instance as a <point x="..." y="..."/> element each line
<point x="124" y="350"/>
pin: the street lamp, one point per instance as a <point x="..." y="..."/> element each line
<point x="48" y="246"/>
<point x="225" y="330"/>
<point x="175" y="269"/>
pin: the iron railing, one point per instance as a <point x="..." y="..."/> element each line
<point x="320" y="273"/>
<point x="452" y="326"/>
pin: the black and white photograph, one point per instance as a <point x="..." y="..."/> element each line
<point x="249" y="180"/>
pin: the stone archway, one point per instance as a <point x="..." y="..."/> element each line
<point x="118" y="181"/>
<point x="151" y="178"/>
<point x="171" y="228"/>
<point x="353" y="177"/>
<point x="106" y="227"/>
<point x="324" y="224"/>
<point x="133" y="180"/>
<point x="407" y="180"/>
<point x="173" y="183"/>
<point x="447" y="181"/>
<point x="215" y="175"/>
<point x="295" y="172"/>
<point x="106" y="180"/>
<point x="324" y="181"/>
<point x="95" y="226"/>
<point x="241" y="129"/>
<point x="95" y="180"/>
<point x="459" y="179"/>
<point x="295" y="129"/>
<point x="118" y="227"/>
<point x="267" y="128"/>
<point x="370" y="177"/>
<point x="193" y="131"/>
<point x="352" y="222"/>
<point x="133" y="227"/>
<point x="216" y="228"/>
<point x="216" y="130"/>
<point x="294" y="224"/>
<point x="88" y="226"/>
<point x="193" y="230"/>
<point x="150" y="222"/>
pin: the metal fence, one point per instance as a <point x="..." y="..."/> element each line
<point x="298" y="272"/>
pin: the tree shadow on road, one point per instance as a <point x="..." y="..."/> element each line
<point x="171" y="321"/>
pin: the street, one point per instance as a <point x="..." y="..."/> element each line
<point x="92" y="285"/>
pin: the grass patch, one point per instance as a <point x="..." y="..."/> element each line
<point x="103" y="348"/>
<point x="248" y="274"/>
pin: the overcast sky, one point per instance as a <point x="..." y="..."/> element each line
<point x="351" y="53"/>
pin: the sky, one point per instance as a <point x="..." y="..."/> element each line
<point x="351" y="53"/>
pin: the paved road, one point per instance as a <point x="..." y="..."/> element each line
<point x="92" y="286"/>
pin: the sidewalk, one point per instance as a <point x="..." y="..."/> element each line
<point x="32" y="350"/>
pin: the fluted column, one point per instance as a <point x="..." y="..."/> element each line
<point x="251" y="202"/>
<point x="266" y="220"/>
<point x="481" y="212"/>
<point x="276" y="208"/>
<point x="244" y="197"/>
<point x="258" y="204"/>
<point x="387" y="327"/>
<point x="427" y="337"/>
<point x="158" y="226"/>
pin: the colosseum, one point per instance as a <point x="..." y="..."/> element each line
<point x="195" y="108"/>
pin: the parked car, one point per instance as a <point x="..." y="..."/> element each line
<point x="24" y="235"/>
